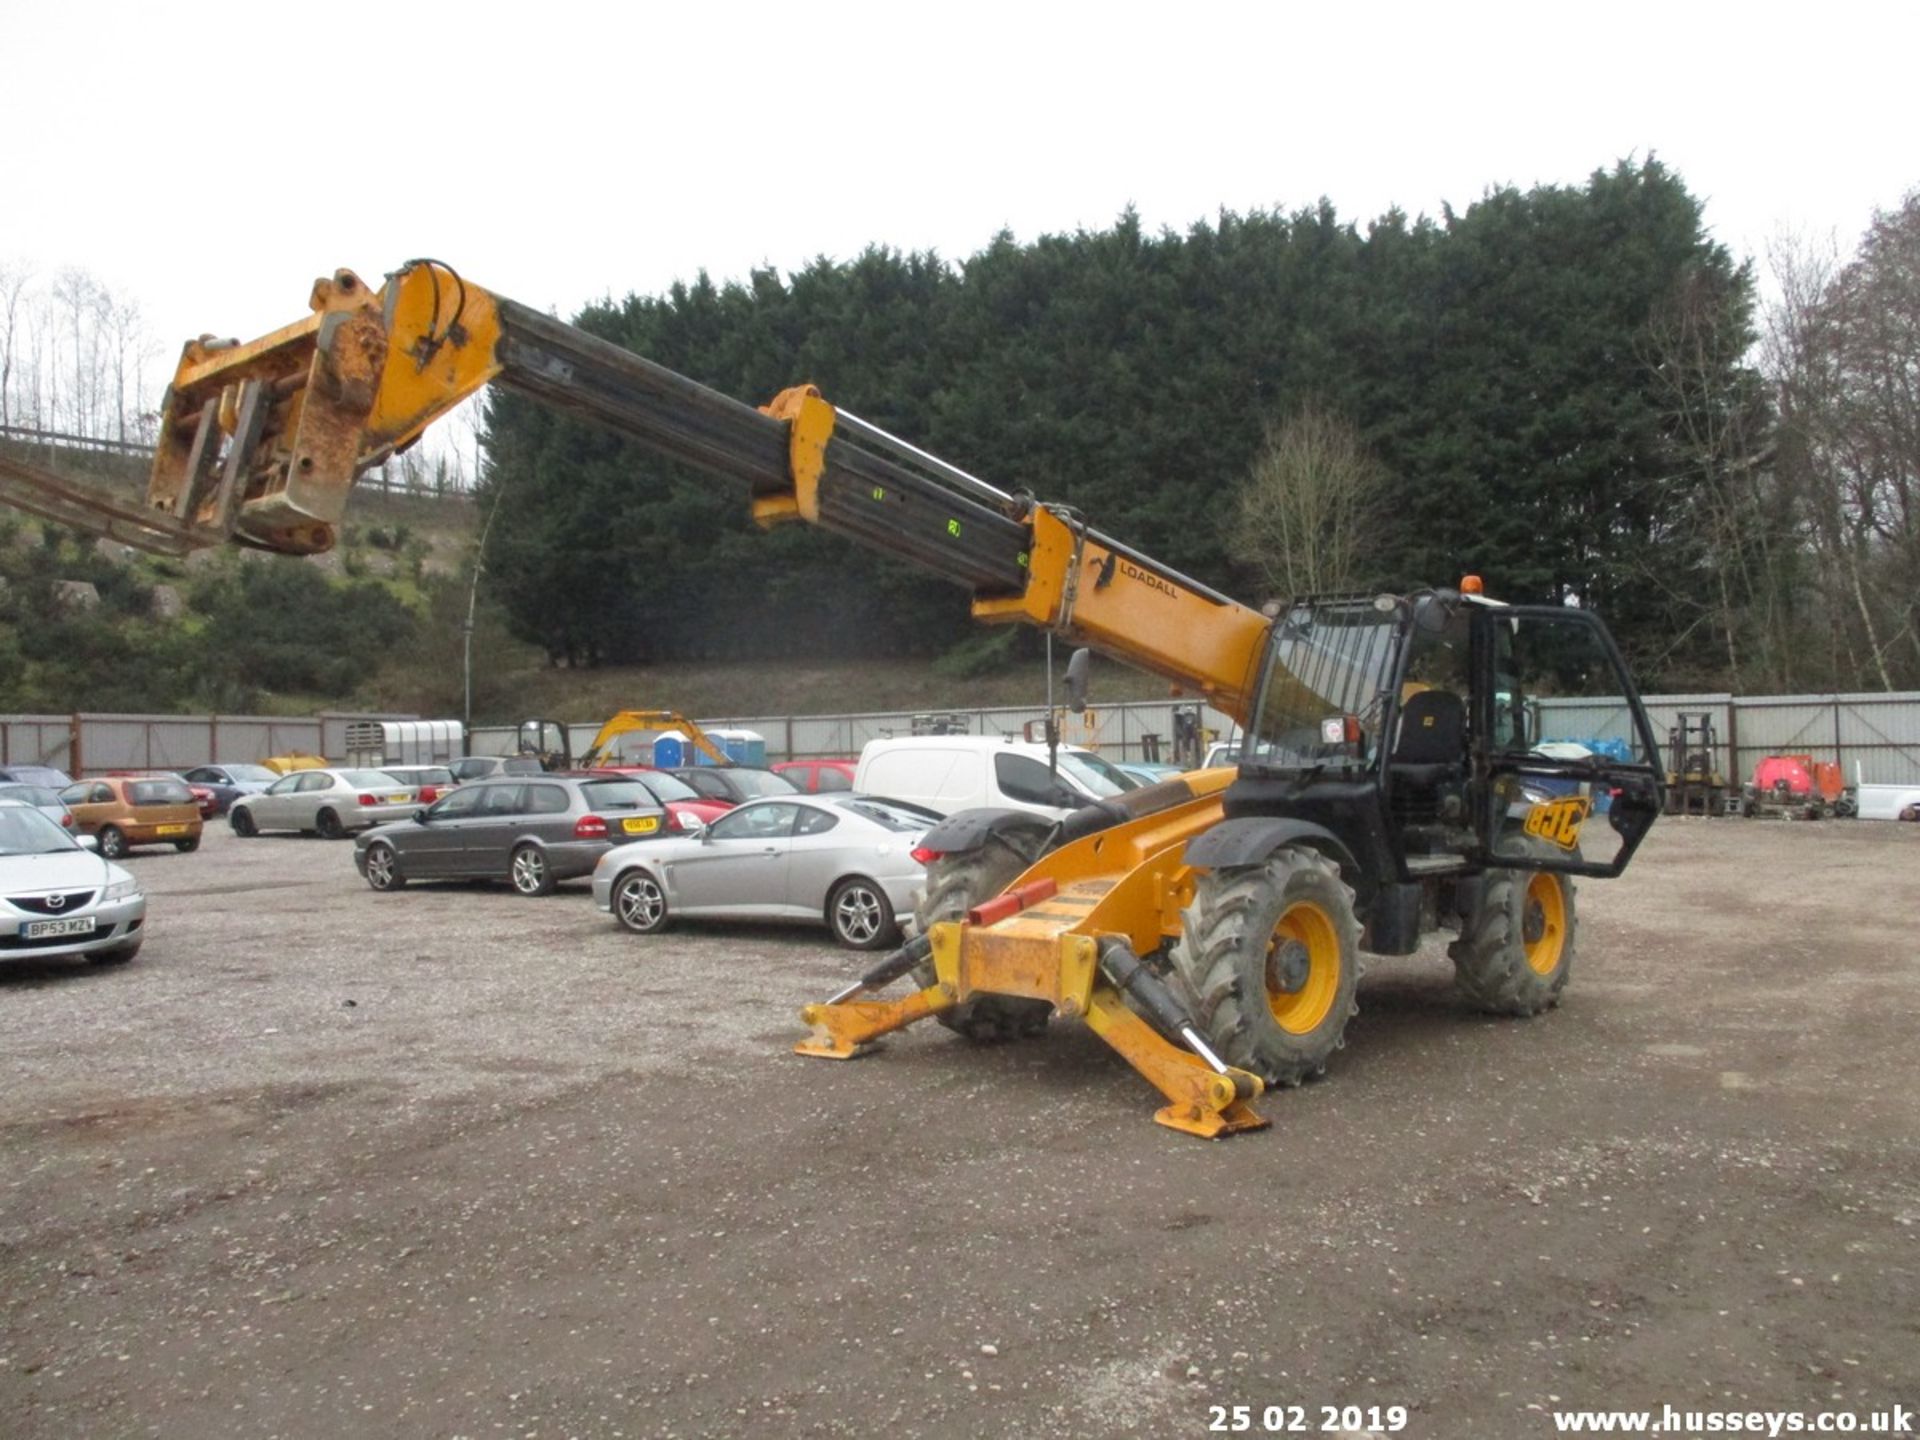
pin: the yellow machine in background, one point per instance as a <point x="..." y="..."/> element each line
<point x="1208" y="928"/>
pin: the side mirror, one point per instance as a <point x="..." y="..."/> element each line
<point x="1077" y="666"/>
<point x="86" y="842"/>
<point x="420" y="817"/>
<point x="1067" y="798"/>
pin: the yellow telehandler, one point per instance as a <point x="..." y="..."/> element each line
<point x="1208" y="928"/>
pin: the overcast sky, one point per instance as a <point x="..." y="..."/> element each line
<point x="210" y="163"/>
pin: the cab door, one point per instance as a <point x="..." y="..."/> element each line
<point x="1566" y="769"/>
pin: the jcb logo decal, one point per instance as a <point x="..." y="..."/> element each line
<point x="1559" y="820"/>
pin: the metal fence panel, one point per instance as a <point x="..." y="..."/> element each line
<point x="37" y="740"/>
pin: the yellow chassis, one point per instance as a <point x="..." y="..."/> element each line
<point x="1127" y="882"/>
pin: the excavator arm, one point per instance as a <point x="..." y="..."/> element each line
<point x="260" y="444"/>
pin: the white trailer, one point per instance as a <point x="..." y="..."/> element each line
<point x="373" y="743"/>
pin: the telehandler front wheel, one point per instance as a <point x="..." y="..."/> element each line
<point x="1272" y="954"/>
<point x="955" y="884"/>
<point x="1515" y="951"/>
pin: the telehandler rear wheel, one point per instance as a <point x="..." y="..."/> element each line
<point x="955" y="884"/>
<point x="1272" y="953"/>
<point x="1516" y="950"/>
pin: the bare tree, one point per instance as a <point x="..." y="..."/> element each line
<point x="1843" y="350"/>
<point x="1719" y="421"/>
<point x="14" y="279"/>
<point x="1305" y="511"/>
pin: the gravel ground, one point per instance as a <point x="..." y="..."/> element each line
<point x="450" y="1162"/>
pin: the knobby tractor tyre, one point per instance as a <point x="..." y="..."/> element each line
<point x="1515" y="951"/>
<point x="1271" y="954"/>
<point x="955" y="884"/>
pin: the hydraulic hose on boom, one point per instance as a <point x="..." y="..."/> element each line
<point x="261" y="443"/>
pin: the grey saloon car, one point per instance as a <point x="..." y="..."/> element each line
<point x="532" y="833"/>
<point x="842" y="860"/>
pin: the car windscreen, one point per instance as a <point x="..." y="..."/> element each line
<point x="251" y="774"/>
<point x="755" y="783"/>
<point x="1096" y="776"/>
<point x="159" y="792"/>
<point x="427" y="775"/>
<point x="25" y="831"/>
<point x="373" y="780"/>
<point x="667" y="787"/>
<point x="521" y="765"/>
<point x="616" y="795"/>
<point x="893" y="817"/>
<point x="39" y="775"/>
<point x="29" y="794"/>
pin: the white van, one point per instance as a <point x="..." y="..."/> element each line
<point x="963" y="772"/>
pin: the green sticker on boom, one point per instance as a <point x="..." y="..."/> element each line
<point x="953" y="528"/>
<point x="1023" y="560"/>
<point x="879" y="492"/>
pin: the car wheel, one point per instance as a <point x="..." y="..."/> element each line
<point x="330" y="826"/>
<point x="639" y="903"/>
<point x="530" y="871"/>
<point x="113" y="843"/>
<point x="383" y="867"/>
<point x="242" y="823"/>
<point x="187" y="847"/>
<point x="119" y="955"/>
<point x="861" y="915"/>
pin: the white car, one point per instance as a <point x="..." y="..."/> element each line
<point x="332" y="803"/>
<point x="844" y="860"/>
<point x="58" y="897"/>
<point x="950" y="773"/>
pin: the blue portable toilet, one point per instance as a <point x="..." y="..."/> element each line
<point x="671" y="750"/>
<point x="742" y="747"/>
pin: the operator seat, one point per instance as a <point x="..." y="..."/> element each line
<point x="1431" y="746"/>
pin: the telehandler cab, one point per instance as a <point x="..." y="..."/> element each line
<point x="1209" y="928"/>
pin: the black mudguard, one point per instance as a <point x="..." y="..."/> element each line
<point x="1250" y="839"/>
<point x="970" y="829"/>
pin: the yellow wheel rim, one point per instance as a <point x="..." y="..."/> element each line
<point x="1543" y="928"/>
<point x="1305" y="936"/>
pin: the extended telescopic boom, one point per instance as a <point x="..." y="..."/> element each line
<point x="261" y="443"/>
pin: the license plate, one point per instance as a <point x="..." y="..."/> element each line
<point x="640" y="824"/>
<point x="42" y="929"/>
<point x="169" y="829"/>
<point x="398" y="799"/>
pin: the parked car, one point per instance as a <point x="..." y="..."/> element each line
<point x="430" y="782"/>
<point x="845" y="861"/>
<point x="479" y="767"/>
<point x="35" y="775"/>
<point x="332" y="803"/>
<point x="47" y="802"/>
<point x="59" y="897"/>
<point x="949" y="773"/>
<point x="203" y="797"/>
<point x="812" y="777"/>
<point x="1146" y="772"/>
<point x="687" y="809"/>
<point x="532" y="833"/>
<point x="732" y="785"/>
<point x="122" y="811"/>
<point x="229" y="782"/>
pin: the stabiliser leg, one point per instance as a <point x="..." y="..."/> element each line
<point x="1202" y="1101"/>
<point x="844" y="1027"/>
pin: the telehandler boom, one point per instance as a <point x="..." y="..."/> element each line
<point x="1208" y="928"/>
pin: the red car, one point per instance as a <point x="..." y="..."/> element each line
<point x="815" y="776"/>
<point x="686" y="808"/>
